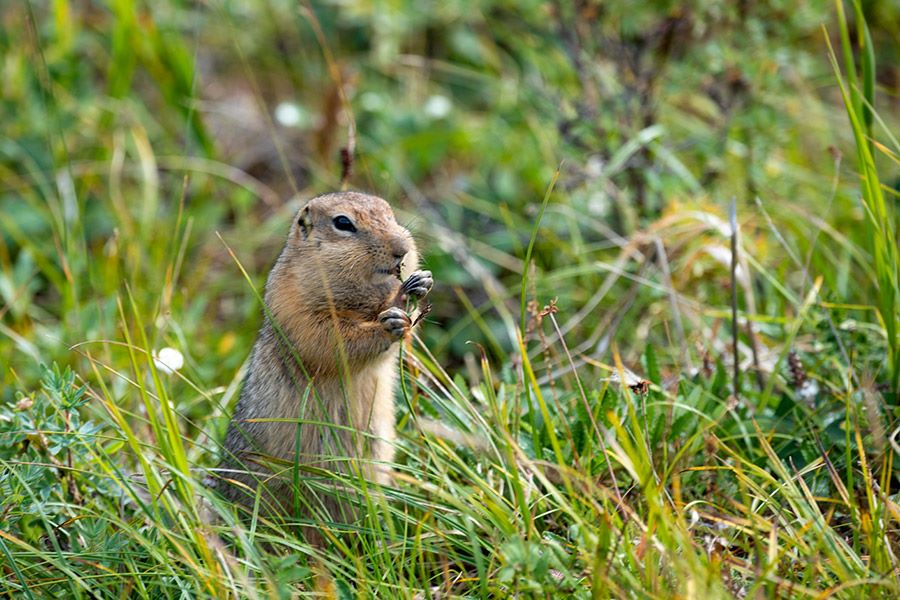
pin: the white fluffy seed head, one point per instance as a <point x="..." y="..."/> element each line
<point x="168" y="360"/>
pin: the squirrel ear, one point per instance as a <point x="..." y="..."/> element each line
<point x="304" y="222"/>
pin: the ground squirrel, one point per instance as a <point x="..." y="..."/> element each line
<point x="318" y="395"/>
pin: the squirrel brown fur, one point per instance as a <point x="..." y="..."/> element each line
<point x="317" y="398"/>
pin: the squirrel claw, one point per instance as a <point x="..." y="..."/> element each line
<point x="417" y="285"/>
<point x="395" y="322"/>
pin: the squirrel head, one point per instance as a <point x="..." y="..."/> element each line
<point x="349" y="247"/>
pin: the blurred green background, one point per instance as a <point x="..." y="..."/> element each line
<point x="133" y="132"/>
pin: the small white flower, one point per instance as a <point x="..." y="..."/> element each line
<point x="809" y="391"/>
<point x="594" y="167"/>
<point x="168" y="360"/>
<point x="438" y="107"/>
<point x="288" y="114"/>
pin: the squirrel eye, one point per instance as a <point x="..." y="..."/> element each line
<point x="343" y="223"/>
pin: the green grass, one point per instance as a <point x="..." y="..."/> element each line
<point x="570" y="201"/>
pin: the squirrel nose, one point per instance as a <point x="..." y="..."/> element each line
<point x="399" y="249"/>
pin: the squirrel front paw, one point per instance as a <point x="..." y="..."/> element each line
<point x="395" y="321"/>
<point x="417" y="285"/>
